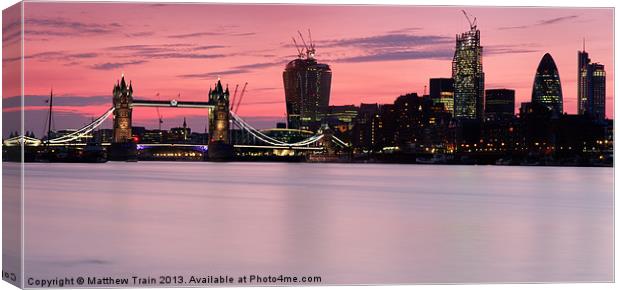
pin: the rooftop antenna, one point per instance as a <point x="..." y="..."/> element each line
<point x="472" y="24"/>
<point x="300" y="51"/>
<point x="584" y="44"/>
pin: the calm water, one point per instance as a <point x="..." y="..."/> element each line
<point x="349" y="223"/>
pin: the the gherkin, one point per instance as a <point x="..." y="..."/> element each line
<point x="547" y="89"/>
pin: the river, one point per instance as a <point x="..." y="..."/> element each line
<point x="347" y="223"/>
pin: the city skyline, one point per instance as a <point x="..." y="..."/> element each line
<point x="372" y="61"/>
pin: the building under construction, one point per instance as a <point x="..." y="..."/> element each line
<point x="468" y="75"/>
<point x="307" y="86"/>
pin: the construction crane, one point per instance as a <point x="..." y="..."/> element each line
<point x="306" y="50"/>
<point x="300" y="51"/>
<point x="302" y="40"/>
<point x="160" y="119"/>
<point x="472" y="24"/>
<point x="234" y="97"/>
<point x="309" y="51"/>
<point x="236" y="107"/>
<point x="312" y="50"/>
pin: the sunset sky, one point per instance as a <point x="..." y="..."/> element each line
<point x="376" y="53"/>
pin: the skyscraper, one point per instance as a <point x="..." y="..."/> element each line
<point x="468" y="75"/>
<point x="499" y="103"/>
<point x="590" y="86"/>
<point x="307" y="85"/>
<point x="583" y="78"/>
<point x="597" y="87"/>
<point x="442" y="91"/>
<point x="547" y="89"/>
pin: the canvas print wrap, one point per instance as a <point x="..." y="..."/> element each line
<point x="205" y="145"/>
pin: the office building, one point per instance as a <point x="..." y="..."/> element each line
<point x="307" y="86"/>
<point x="591" y="79"/>
<point x="468" y="75"/>
<point x="547" y="88"/>
<point x="499" y="103"/>
<point x="442" y="92"/>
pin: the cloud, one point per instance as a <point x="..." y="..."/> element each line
<point x="212" y="75"/>
<point x="247" y="68"/>
<point x="184" y="55"/>
<point x="84" y="55"/>
<point x="390" y="40"/>
<point x="511" y="49"/>
<point x="10" y="37"/>
<point x="541" y="22"/>
<point x="115" y="65"/>
<point x="206" y="47"/>
<point x="140" y="34"/>
<point x="59" y="100"/>
<point x="166" y="51"/>
<point x="556" y="20"/>
<point x="211" y="33"/>
<point x="61" y="26"/>
<point x="260" y="65"/>
<point x="399" y="55"/>
<point x="405" y="30"/>
<point x="56" y="55"/>
<point x="393" y="45"/>
<point x="220" y="30"/>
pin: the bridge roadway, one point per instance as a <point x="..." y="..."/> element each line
<point x="172" y="103"/>
<point x="198" y="145"/>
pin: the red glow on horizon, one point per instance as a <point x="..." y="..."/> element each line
<point x="376" y="53"/>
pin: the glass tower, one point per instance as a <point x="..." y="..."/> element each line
<point x="468" y="76"/>
<point x="590" y="86"/>
<point x="547" y="89"/>
<point x="583" y="78"/>
<point x="306" y="87"/>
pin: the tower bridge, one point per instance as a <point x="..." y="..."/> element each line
<point x="220" y="119"/>
<point x="218" y="112"/>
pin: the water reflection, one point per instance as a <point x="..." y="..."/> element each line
<point x="351" y="224"/>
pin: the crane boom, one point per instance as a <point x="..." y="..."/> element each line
<point x="311" y="51"/>
<point x="302" y="40"/>
<point x="300" y="51"/>
<point x="310" y="39"/>
<point x="234" y="97"/>
<point x="472" y="25"/>
<point x="160" y="119"/>
<point x="240" y="97"/>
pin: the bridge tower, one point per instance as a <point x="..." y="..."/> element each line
<point x="123" y="97"/>
<point x="220" y="148"/>
<point x="123" y="147"/>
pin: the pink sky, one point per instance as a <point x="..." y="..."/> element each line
<point x="376" y="53"/>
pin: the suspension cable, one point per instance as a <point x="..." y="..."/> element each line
<point x="84" y="130"/>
